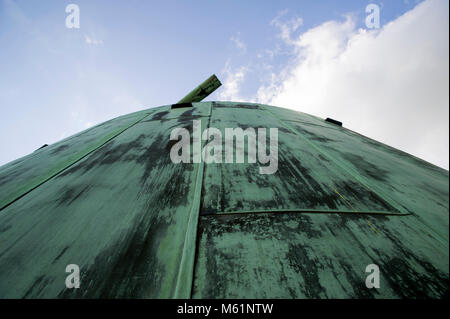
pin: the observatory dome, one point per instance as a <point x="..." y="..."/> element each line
<point x="112" y="201"/>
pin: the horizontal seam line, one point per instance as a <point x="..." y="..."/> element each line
<point x="301" y="211"/>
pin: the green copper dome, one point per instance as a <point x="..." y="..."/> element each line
<point x="138" y="225"/>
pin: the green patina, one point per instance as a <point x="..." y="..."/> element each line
<point x="110" y="200"/>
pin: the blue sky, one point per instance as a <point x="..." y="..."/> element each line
<point x="131" y="55"/>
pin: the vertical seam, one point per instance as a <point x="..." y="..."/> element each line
<point x="185" y="277"/>
<point x="357" y="177"/>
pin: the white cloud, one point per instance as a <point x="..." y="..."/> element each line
<point x="238" y="42"/>
<point x="231" y="84"/>
<point x="92" y="40"/>
<point x="390" y="84"/>
<point x="286" y="27"/>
